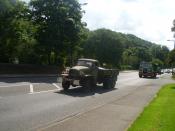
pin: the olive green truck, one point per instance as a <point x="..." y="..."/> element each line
<point x="87" y="73"/>
<point x="147" y="69"/>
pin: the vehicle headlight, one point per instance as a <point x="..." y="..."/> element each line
<point x="81" y="73"/>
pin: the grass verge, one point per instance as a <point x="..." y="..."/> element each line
<point x="159" y="115"/>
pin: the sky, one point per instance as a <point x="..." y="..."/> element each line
<point x="148" y="19"/>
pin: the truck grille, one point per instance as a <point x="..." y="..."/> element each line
<point x="74" y="73"/>
<point x="145" y="70"/>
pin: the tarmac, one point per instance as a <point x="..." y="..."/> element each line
<point x="117" y="115"/>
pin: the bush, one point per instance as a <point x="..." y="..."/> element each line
<point x="126" y="67"/>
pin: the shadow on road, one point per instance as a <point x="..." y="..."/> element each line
<point x="81" y="92"/>
<point x="150" y="77"/>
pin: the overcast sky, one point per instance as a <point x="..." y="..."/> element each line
<point x="147" y="19"/>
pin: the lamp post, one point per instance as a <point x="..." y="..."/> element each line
<point x="173" y="41"/>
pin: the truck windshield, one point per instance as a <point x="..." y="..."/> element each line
<point x="145" y="65"/>
<point x="84" y="63"/>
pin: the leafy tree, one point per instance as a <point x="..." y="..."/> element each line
<point x="16" y="32"/>
<point x="171" y="58"/>
<point x="59" y="27"/>
<point x="103" y="45"/>
<point x="6" y="7"/>
<point x="159" y="52"/>
<point x="173" y="28"/>
<point x="134" y="55"/>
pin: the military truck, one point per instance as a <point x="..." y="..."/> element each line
<point x="146" y="70"/>
<point x="87" y="73"/>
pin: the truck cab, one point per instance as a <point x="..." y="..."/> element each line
<point x="146" y="70"/>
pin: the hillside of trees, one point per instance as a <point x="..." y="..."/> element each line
<point x="51" y="32"/>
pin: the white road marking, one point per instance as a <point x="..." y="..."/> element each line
<point x="59" y="88"/>
<point x="44" y="91"/>
<point x="31" y="88"/>
<point x="32" y="92"/>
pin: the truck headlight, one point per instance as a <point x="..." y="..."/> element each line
<point x="81" y="73"/>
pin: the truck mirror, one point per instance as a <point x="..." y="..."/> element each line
<point x="104" y="64"/>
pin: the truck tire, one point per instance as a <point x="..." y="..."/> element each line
<point x="113" y="82"/>
<point x="65" y="85"/>
<point x="154" y="76"/>
<point x="140" y="75"/>
<point x="109" y="83"/>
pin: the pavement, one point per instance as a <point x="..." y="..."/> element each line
<point x="117" y="115"/>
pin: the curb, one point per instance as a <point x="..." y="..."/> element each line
<point x="128" y="71"/>
<point x="27" y="75"/>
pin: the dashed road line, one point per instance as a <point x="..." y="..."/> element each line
<point x="44" y="91"/>
<point x="59" y="88"/>
<point x="31" y="88"/>
<point x="54" y="84"/>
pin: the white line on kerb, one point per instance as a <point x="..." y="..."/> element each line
<point x="59" y="88"/>
<point x="31" y="88"/>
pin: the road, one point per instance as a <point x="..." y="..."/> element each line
<point x="37" y="103"/>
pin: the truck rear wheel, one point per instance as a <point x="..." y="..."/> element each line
<point x="109" y="83"/>
<point x="65" y="84"/>
<point x="155" y="75"/>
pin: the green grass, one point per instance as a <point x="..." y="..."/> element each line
<point x="159" y="115"/>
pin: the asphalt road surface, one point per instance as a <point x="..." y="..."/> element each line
<point x="35" y="103"/>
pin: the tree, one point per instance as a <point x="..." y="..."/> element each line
<point x="59" y="27"/>
<point x="16" y="32"/>
<point x="6" y="7"/>
<point x="173" y="28"/>
<point x="171" y="58"/>
<point x="104" y="45"/>
<point x="134" y="55"/>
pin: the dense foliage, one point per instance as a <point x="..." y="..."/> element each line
<point x="124" y="50"/>
<point x="50" y="32"/>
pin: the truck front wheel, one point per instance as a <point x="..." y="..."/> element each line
<point x="65" y="84"/>
<point x="140" y="75"/>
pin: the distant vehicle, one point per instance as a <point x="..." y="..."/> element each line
<point x="168" y="71"/>
<point x="173" y="71"/>
<point x="88" y="73"/>
<point x="162" y="71"/>
<point x="146" y="70"/>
